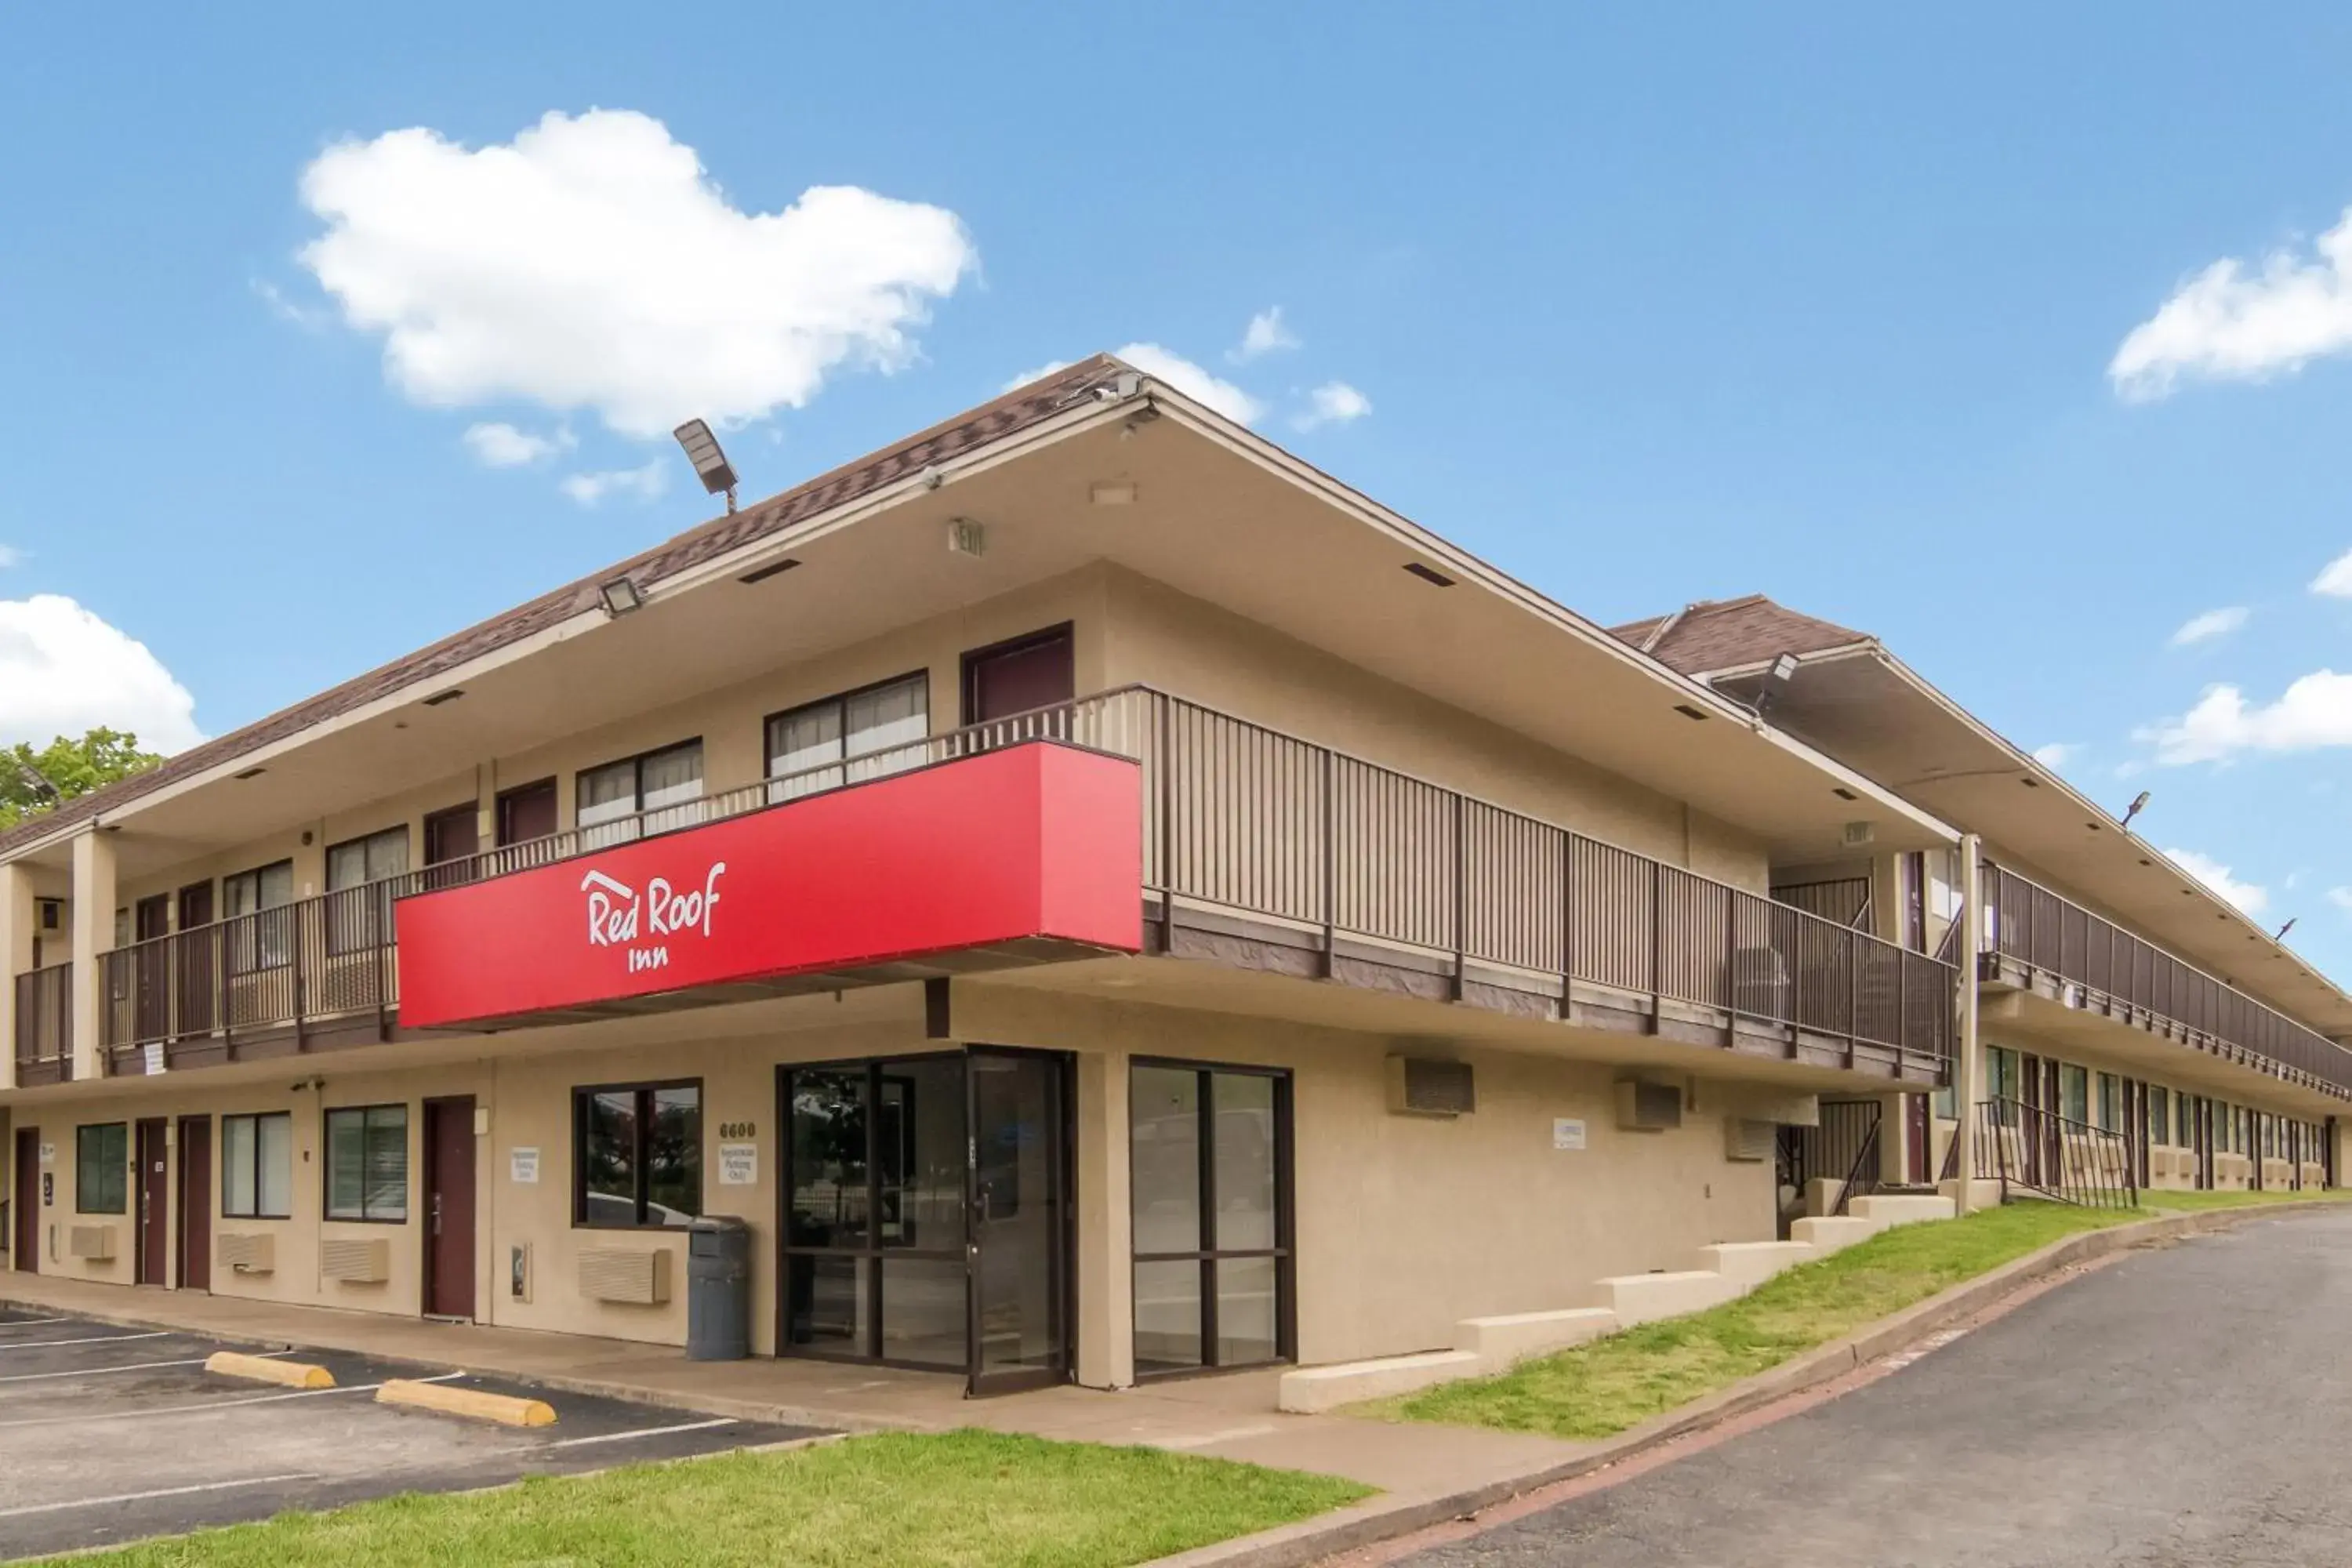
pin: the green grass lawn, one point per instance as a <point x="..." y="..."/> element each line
<point x="957" y="1499"/>
<point x="1600" y="1389"/>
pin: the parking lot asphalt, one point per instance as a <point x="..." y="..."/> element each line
<point x="111" y="1434"/>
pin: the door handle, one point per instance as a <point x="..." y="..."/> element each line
<point x="437" y="1213"/>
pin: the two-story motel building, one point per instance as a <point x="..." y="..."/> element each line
<point x="1099" y="898"/>
<point x="2115" y="992"/>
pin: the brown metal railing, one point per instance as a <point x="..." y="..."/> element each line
<point x="2042" y="1154"/>
<point x="45" y="1024"/>
<point x="1236" y="817"/>
<point x="2028" y="923"/>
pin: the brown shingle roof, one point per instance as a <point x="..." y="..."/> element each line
<point x="1724" y="634"/>
<point x="1016" y="410"/>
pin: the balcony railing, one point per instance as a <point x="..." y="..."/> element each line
<point x="2027" y="924"/>
<point x="45" y="1025"/>
<point x="1238" y="818"/>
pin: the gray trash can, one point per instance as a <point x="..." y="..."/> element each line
<point x="718" y="1288"/>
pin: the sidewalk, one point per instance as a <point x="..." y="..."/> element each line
<point x="1230" y="1416"/>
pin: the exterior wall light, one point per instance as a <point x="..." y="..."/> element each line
<point x="620" y="596"/>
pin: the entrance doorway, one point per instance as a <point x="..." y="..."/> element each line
<point x="155" y="1199"/>
<point x="195" y="1203"/>
<point x="26" y="1221"/>
<point x="450" y="1208"/>
<point x="927" y="1215"/>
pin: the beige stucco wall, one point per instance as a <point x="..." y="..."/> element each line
<point x="1405" y="1224"/>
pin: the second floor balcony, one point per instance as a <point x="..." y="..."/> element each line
<point x="1258" y="849"/>
<point x="2039" y="942"/>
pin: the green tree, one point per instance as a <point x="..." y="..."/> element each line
<point x="70" y="767"/>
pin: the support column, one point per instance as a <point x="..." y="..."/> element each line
<point x="1106" y="1258"/>
<point x="19" y="920"/>
<point x="1967" y="1066"/>
<point x="94" y="934"/>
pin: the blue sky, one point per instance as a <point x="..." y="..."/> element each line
<point x="1645" y="306"/>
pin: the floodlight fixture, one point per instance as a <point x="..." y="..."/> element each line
<point x="711" y="464"/>
<point x="620" y="596"/>
<point x="2138" y="805"/>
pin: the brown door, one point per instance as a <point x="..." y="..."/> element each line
<point x="151" y="918"/>
<point x="194" y="962"/>
<point x="450" y="1208"/>
<point x="195" y="1203"/>
<point x="154" y="1200"/>
<point x="1035" y="671"/>
<point x="25" y="1222"/>
<point x="527" y="813"/>
<point x="452" y="838"/>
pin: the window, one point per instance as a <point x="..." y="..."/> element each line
<point x="258" y="1166"/>
<point x="2159" y="1116"/>
<point x="1209" y="1179"/>
<point x="636" y="1155"/>
<point x="858" y="735"/>
<point x="651" y="794"/>
<point x="2111" y="1102"/>
<point x="102" y="1168"/>
<point x="260" y="938"/>
<point x="2001" y="1083"/>
<point x="359" y="907"/>
<point x="2075" y="1093"/>
<point x="367" y="1163"/>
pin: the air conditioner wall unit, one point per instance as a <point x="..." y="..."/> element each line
<point x="1428" y="1086"/>
<point x="1649" y="1107"/>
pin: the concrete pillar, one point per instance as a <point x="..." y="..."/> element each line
<point x="19" y="920"/>
<point x="94" y="934"/>
<point x="1967" y="1067"/>
<point x="1106" y="1225"/>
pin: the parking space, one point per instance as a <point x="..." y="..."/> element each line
<point x="109" y="1433"/>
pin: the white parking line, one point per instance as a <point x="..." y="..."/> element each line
<point x="87" y="1339"/>
<point x="643" y="1432"/>
<point x="216" y="1404"/>
<point x="104" y="1371"/>
<point x="148" y="1496"/>
<point x="29" y="1322"/>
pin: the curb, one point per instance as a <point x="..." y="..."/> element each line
<point x="261" y="1369"/>
<point x="1378" y="1519"/>
<point x="474" y="1403"/>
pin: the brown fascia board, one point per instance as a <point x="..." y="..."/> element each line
<point x="1015" y="411"/>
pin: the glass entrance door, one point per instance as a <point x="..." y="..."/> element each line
<point x="926" y="1218"/>
<point x="1020" y="1217"/>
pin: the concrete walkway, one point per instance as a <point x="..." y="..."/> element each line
<point x="1231" y="1417"/>
<point x="2185" y="1405"/>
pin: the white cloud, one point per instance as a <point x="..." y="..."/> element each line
<point x="63" y="671"/>
<point x="501" y="445"/>
<point x="2056" y="755"/>
<point x="10" y="556"/>
<point x="310" y="318"/>
<point x="2335" y="579"/>
<point x="2229" y="323"/>
<point x="2217" y="880"/>
<point x="1193" y="382"/>
<point x="2315" y="710"/>
<point x="2212" y="624"/>
<point x="643" y="483"/>
<point x="2340" y="897"/>
<point x="1264" y="334"/>
<point x="591" y="263"/>
<point x="1333" y="402"/>
<point x="1040" y="373"/>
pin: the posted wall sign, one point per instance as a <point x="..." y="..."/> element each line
<point x="523" y="1166"/>
<point x="738" y="1164"/>
<point x="1567" y="1132"/>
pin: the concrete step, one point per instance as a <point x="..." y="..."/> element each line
<point x="1749" y="1264"/>
<point x="1646" y="1297"/>
<point x="1902" y="1208"/>
<point x="1502" y="1342"/>
<point x="1832" y="1233"/>
<point x="1311" y="1390"/>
